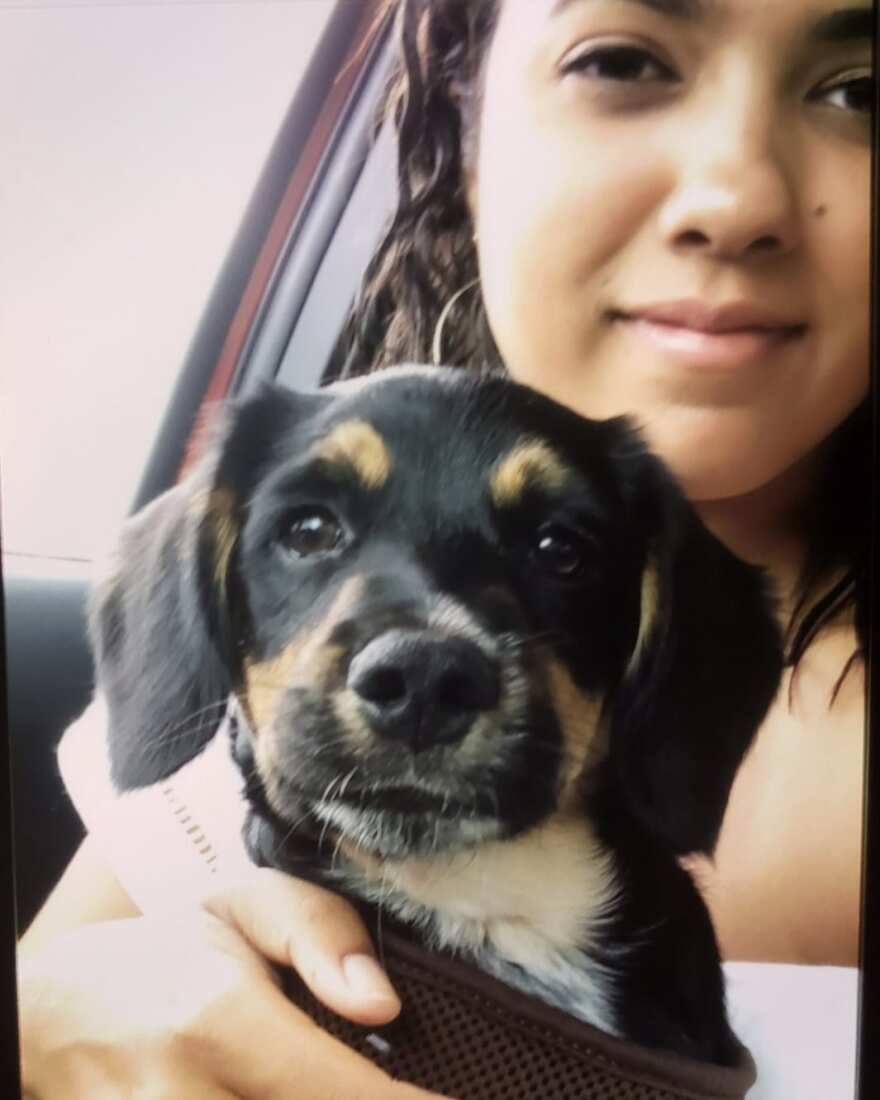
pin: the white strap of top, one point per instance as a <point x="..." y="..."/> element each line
<point x="169" y="843"/>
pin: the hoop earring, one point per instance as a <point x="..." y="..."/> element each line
<point x="437" y="342"/>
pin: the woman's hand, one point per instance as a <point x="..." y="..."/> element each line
<point x="189" y="1007"/>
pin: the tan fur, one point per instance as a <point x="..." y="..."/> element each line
<point x="579" y="717"/>
<point x="304" y="662"/>
<point x="357" y="444"/>
<point x="309" y="661"/>
<point x="271" y="775"/>
<point x="531" y="464"/>
<point x="649" y="607"/>
<point x="347" y="709"/>
<point x="266" y="681"/>
<point x="220" y="510"/>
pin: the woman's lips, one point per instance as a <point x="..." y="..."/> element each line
<point x="724" y="349"/>
<point x="695" y="335"/>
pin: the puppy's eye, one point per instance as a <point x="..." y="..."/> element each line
<point x="559" y="550"/>
<point x="311" y="531"/>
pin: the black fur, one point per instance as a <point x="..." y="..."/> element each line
<point x="206" y="583"/>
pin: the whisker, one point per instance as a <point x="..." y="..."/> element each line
<point x="345" y="782"/>
<point x="335" y="854"/>
<point x="185" y="728"/>
<point x="289" y="833"/>
<point x="154" y="749"/>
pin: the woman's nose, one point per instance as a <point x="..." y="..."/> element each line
<point x="734" y="199"/>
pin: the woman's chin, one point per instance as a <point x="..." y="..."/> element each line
<point x="714" y="460"/>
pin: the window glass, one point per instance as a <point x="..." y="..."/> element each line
<point x="132" y="135"/>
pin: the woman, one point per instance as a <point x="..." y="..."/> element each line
<point x="665" y="203"/>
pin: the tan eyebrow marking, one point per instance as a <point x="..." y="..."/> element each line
<point x="357" y="445"/>
<point x="531" y="464"/>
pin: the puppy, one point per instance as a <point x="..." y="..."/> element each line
<point x="491" y="672"/>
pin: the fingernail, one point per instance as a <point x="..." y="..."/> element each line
<point x="365" y="977"/>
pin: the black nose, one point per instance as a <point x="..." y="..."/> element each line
<point x="423" y="689"/>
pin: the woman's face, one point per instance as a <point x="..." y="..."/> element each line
<point x="672" y="202"/>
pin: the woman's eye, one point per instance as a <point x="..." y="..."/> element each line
<point x="311" y="531"/>
<point x="620" y="64"/>
<point x="559" y="551"/>
<point x="854" y="93"/>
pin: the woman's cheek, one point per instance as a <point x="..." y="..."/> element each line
<point x="545" y="246"/>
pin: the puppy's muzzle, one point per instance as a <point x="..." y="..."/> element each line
<point x="422" y="689"/>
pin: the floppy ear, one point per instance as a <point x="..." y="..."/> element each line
<point x="706" y="667"/>
<point x="165" y="624"/>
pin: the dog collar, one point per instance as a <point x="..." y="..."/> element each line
<point x="465" y="1034"/>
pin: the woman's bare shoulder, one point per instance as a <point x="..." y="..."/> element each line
<point x="785" y="882"/>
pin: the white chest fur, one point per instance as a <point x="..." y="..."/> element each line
<point x="526" y="910"/>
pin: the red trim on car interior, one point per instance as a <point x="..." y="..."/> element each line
<point x="288" y="208"/>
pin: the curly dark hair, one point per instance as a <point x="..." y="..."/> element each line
<point x="428" y="254"/>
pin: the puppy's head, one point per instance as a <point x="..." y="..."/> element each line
<point x="441" y="601"/>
